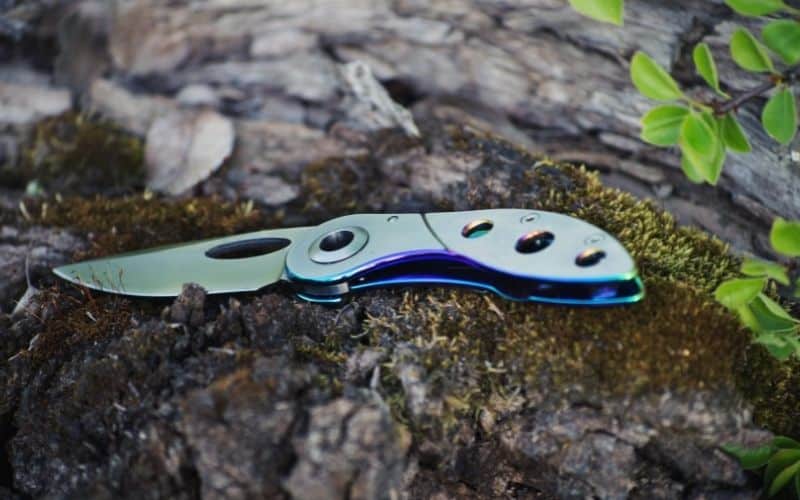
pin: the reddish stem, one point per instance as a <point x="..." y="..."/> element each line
<point x="724" y="107"/>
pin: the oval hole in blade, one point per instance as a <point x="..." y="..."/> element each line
<point x="247" y="248"/>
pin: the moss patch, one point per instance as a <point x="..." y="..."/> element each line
<point x="660" y="343"/>
<point x="75" y="154"/>
<point x="76" y="319"/>
<point x="476" y="351"/>
<point x="130" y="223"/>
<point x="115" y="225"/>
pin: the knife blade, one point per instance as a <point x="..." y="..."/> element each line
<point x="240" y="263"/>
<point x="518" y="254"/>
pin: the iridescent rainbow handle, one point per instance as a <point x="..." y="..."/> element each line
<point x="518" y="254"/>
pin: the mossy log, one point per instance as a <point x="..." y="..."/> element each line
<point x="402" y="392"/>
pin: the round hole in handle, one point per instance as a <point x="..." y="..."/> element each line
<point x="477" y="228"/>
<point x="535" y="241"/>
<point x="338" y="244"/>
<point x="245" y="249"/>
<point x="590" y="257"/>
<point x="336" y="240"/>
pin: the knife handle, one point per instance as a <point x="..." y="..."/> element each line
<point x="518" y="254"/>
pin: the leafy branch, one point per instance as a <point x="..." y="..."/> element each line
<point x="722" y="107"/>
<point x="705" y="132"/>
<point x="780" y="460"/>
<point x="774" y="328"/>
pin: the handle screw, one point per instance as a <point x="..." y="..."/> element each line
<point x="594" y="239"/>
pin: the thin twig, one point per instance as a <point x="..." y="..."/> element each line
<point x="724" y="107"/>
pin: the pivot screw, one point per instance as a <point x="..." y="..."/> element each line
<point x="338" y="245"/>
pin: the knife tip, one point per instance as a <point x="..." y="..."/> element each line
<point x="61" y="272"/>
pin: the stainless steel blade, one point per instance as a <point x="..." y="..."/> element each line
<point x="219" y="265"/>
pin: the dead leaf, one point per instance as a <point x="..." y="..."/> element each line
<point x="184" y="147"/>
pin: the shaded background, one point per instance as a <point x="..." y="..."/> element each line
<point x="531" y="71"/>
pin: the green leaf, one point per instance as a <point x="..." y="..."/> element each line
<point x="652" y="80"/>
<point x="608" y="11"/>
<point x="775" y="309"/>
<point x="769" y="317"/>
<point x="776" y="344"/>
<point x="702" y="146"/>
<point x="732" y="134"/>
<point x="747" y="317"/>
<point x="783" y="478"/>
<point x="794" y="341"/>
<point x="783" y="38"/>
<point x="785" y="237"/>
<point x="797" y="485"/>
<point x="715" y="164"/>
<point x="772" y="270"/>
<point x="750" y="458"/>
<point x="692" y="173"/>
<point x="755" y="7"/>
<point x="662" y="125"/>
<point x="706" y="67"/>
<point x="780" y="116"/>
<point x="749" y="53"/>
<point x="778" y="462"/>
<point x="698" y="136"/>
<point x="785" y="442"/>
<point x="739" y="292"/>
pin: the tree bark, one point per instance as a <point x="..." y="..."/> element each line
<point x="534" y="72"/>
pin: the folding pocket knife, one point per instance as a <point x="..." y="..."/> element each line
<point x="518" y="254"/>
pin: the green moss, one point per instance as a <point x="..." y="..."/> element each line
<point x="75" y="154"/>
<point x="773" y="388"/>
<point x="130" y="223"/>
<point x="478" y="351"/>
<point x="76" y="319"/>
<point x="320" y="354"/>
<point x="117" y="225"/>
<point x="678" y="339"/>
<point x="660" y="343"/>
<point x="337" y="186"/>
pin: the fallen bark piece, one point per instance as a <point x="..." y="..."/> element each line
<point x="372" y="105"/>
<point x="26" y="104"/>
<point x="133" y="113"/>
<point x="185" y="147"/>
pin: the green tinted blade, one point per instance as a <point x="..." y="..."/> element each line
<point x="241" y="263"/>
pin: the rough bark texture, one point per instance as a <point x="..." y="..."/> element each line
<point x="427" y="393"/>
<point x="532" y="71"/>
<point x="399" y="393"/>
